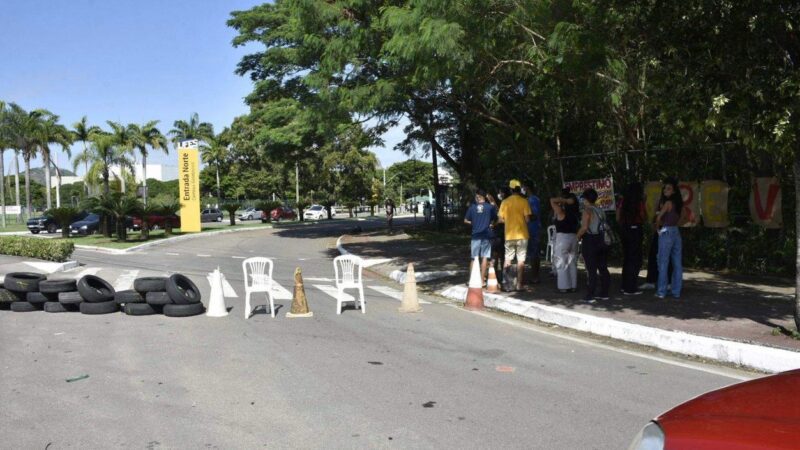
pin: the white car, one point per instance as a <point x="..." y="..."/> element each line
<point x="317" y="212"/>
<point x="250" y="214"/>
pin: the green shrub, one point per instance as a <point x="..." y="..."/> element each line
<point x="47" y="249"/>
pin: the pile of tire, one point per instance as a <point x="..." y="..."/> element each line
<point x="176" y="296"/>
<point x="28" y="291"/>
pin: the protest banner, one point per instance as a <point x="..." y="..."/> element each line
<point x="765" y="202"/>
<point x="714" y="203"/>
<point x="603" y="186"/>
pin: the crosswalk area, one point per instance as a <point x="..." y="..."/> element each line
<point x="122" y="279"/>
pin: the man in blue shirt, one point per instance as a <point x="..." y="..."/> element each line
<point x="533" y="230"/>
<point x="481" y="215"/>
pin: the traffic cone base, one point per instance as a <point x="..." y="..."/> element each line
<point x="474" y="301"/>
<point x="299" y="301"/>
<point x="491" y="281"/>
<point x="409" y="301"/>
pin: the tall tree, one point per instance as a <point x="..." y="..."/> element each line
<point x="102" y="155"/>
<point x="46" y="132"/>
<point x="124" y="140"/>
<point x="215" y="152"/>
<point x="144" y="136"/>
<point x="82" y="131"/>
<point x="192" y="129"/>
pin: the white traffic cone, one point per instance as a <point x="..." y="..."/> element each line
<point x="491" y="281"/>
<point x="409" y="302"/>
<point x="475" y="291"/>
<point x="216" y="303"/>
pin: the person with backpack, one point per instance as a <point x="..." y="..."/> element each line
<point x="593" y="232"/>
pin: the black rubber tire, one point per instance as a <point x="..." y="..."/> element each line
<point x="56" y="286"/>
<point x="182" y="290"/>
<point x="99" y="307"/>
<point x="70" y="298"/>
<point x="5" y="306"/>
<point x="150" y="284"/>
<point x="35" y="231"/>
<point x="191" y="309"/>
<point x="94" y="289"/>
<point x="141" y="309"/>
<point x="25" y="307"/>
<point x="23" y="281"/>
<point x="128" y="296"/>
<point x="56" y="307"/>
<point x="158" y="298"/>
<point x="36" y="298"/>
<point x="7" y="296"/>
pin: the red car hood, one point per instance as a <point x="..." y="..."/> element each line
<point x="762" y="413"/>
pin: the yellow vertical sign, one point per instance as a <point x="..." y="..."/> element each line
<point x="189" y="186"/>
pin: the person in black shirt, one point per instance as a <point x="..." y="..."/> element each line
<point x="565" y="250"/>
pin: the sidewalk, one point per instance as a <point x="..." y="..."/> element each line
<point x="733" y="309"/>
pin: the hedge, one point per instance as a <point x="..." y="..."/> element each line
<point x="47" y="249"/>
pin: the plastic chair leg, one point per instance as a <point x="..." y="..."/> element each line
<point x="271" y="304"/>
<point x="361" y="296"/>
<point x="247" y="305"/>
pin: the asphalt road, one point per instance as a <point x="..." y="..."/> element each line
<point x="443" y="378"/>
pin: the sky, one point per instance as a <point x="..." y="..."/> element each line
<point x="129" y="62"/>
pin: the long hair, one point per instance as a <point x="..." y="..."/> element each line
<point x="676" y="198"/>
<point x="631" y="201"/>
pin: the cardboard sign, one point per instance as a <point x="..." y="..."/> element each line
<point x="765" y="202"/>
<point x="690" y="216"/>
<point x="714" y="203"/>
<point x="603" y="186"/>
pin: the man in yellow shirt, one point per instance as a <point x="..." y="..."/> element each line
<point x="515" y="212"/>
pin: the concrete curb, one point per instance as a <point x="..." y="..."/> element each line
<point x="758" y="357"/>
<point x="49" y="267"/>
<point x="184" y="237"/>
<point x="421" y="277"/>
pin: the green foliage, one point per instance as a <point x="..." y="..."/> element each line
<point x="46" y="249"/>
<point x="64" y="216"/>
<point x="231" y="208"/>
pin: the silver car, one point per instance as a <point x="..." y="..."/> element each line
<point x="250" y="214"/>
<point x="211" y="215"/>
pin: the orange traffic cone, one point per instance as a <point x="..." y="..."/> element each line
<point x="475" y="291"/>
<point x="491" y="281"/>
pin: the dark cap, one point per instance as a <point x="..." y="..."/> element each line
<point x="480" y="192"/>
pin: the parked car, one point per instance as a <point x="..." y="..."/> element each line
<point x="762" y="413"/>
<point x="49" y="224"/>
<point x="317" y="212"/>
<point x="250" y="214"/>
<point x="211" y="215"/>
<point x="278" y="214"/>
<point x="88" y="225"/>
<point x="156" y="222"/>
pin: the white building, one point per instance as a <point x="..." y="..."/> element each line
<point x="159" y="172"/>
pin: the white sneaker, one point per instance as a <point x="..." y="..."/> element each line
<point x="647" y="286"/>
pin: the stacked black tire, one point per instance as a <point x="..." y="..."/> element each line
<point x="176" y="296"/>
<point x="97" y="295"/>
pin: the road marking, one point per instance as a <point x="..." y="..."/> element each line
<point x="239" y="257"/>
<point x="87" y="271"/>
<point x="330" y="280"/>
<point x="200" y="255"/>
<point x="173" y="254"/>
<point x="333" y="292"/>
<point x="393" y="293"/>
<point x="604" y="346"/>
<point x="125" y="281"/>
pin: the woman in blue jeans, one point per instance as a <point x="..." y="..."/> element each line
<point x="670" y="246"/>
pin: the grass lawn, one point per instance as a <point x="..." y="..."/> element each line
<point x="11" y="226"/>
<point x="135" y="237"/>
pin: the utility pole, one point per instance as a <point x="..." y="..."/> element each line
<point x="296" y="183"/>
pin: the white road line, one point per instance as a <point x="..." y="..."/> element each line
<point x="329" y="280"/>
<point x="239" y="257"/>
<point x="173" y="254"/>
<point x="393" y="293"/>
<point x="279" y="292"/>
<point x="333" y="292"/>
<point x="87" y="271"/>
<point x="125" y="281"/>
<point x="200" y="255"/>
<point x="606" y="347"/>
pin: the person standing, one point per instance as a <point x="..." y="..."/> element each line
<point x="481" y="215"/>
<point x="515" y="212"/>
<point x="389" y="213"/>
<point x="534" y="225"/>
<point x="565" y="250"/>
<point x="594" y="249"/>
<point x="670" y="245"/>
<point x="631" y="215"/>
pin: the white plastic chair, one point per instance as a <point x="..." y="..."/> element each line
<point x="347" y="270"/>
<point x="551" y="243"/>
<point x="257" y="278"/>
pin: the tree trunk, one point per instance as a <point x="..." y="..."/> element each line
<point x="122" y="179"/>
<point x="47" y="181"/>
<point x="27" y="186"/>
<point x="16" y="184"/>
<point x="797" y="237"/>
<point x="86" y="172"/>
<point x="219" y="195"/>
<point x="144" y="178"/>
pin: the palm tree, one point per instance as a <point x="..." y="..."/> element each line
<point x="216" y="152"/>
<point x="124" y="140"/>
<point x="193" y="129"/>
<point x="26" y="136"/>
<point x="49" y="131"/>
<point x="101" y="156"/>
<point x="82" y="131"/>
<point x="144" y="136"/>
<point x="5" y="143"/>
